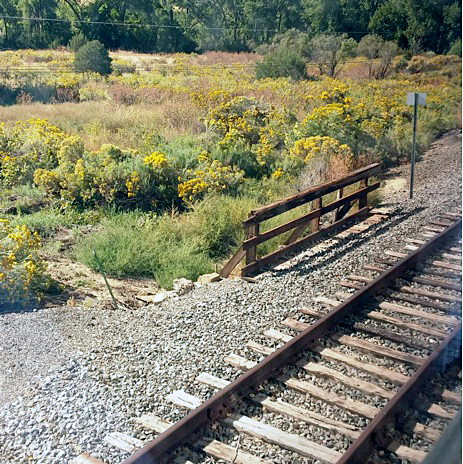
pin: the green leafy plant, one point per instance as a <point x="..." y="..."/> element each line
<point x="93" y="57"/>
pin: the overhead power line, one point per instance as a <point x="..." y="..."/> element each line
<point x="157" y="26"/>
<point x="117" y="23"/>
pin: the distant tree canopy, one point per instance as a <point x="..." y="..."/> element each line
<point x="232" y="25"/>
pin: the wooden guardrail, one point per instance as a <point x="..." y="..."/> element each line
<point x="314" y="195"/>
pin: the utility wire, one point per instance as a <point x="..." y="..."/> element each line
<point x="111" y="23"/>
<point x="158" y="26"/>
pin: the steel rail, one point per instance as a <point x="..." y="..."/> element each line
<point x="375" y="434"/>
<point x="158" y="450"/>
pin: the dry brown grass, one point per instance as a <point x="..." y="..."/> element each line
<point x="102" y="122"/>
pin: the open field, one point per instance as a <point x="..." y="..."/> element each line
<point x="154" y="167"/>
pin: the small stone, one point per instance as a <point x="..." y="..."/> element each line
<point x="158" y="298"/>
<point x="183" y="286"/>
<point x="207" y="278"/>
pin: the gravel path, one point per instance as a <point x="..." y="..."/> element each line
<point x="70" y="375"/>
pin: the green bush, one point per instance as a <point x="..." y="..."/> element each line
<point x="77" y="41"/>
<point x="455" y="49"/>
<point x="282" y="63"/>
<point x="93" y="57"/>
<point x="167" y="247"/>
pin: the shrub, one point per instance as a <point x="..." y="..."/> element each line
<point x="324" y="155"/>
<point x="455" y="49"/>
<point x="250" y="129"/>
<point x="110" y="177"/>
<point x="30" y="145"/>
<point x="282" y="63"/>
<point x="167" y="247"/>
<point x="77" y="41"/>
<point x="211" y="176"/>
<point x="22" y="271"/>
<point x="93" y="57"/>
<point x="123" y="66"/>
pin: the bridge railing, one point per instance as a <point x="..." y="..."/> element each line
<point x="313" y="195"/>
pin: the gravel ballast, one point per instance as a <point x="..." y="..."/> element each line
<point x="71" y="375"/>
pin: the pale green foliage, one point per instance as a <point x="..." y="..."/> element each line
<point x="330" y="51"/>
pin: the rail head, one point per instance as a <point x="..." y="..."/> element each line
<point x="159" y="450"/>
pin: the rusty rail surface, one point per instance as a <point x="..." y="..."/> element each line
<point x="313" y="195"/>
<point x="158" y="450"/>
<point x="375" y="433"/>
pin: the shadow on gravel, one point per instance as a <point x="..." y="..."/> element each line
<point x="345" y="245"/>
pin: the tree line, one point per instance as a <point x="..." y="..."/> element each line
<point x="229" y="25"/>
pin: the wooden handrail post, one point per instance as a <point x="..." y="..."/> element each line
<point x="363" y="200"/>
<point x="252" y="230"/>
<point x="315" y="223"/>
<point x="336" y="214"/>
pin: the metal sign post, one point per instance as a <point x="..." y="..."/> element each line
<point x="414" y="99"/>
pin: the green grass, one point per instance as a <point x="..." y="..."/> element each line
<point x="48" y="221"/>
<point x="167" y="247"/>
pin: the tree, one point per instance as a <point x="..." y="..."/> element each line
<point x="369" y="47"/>
<point x="374" y="47"/>
<point x="93" y="57"/>
<point x="330" y="52"/>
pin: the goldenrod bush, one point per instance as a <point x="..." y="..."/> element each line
<point x="22" y="271"/>
<point x="27" y="146"/>
<point x="211" y="176"/>
<point x="110" y="177"/>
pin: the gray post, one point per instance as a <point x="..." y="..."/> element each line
<point x="412" y="172"/>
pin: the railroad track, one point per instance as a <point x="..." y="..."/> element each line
<point x="373" y="376"/>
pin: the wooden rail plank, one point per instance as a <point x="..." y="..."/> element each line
<point x="252" y="230"/>
<point x="431" y="272"/>
<point x="378" y="350"/>
<point x="404" y="452"/>
<point x="286" y="409"/>
<point x="265" y="432"/>
<point x="335" y="356"/>
<point x="234" y="261"/>
<point x="311" y="193"/>
<point x="406" y="325"/>
<point x="415" y="247"/>
<point x="450" y="256"/>
<point x="86" y="458"/>
<point x="453" y="322"/>
<point x="416" y="301"/>
<point x="123" y="441"/>
<point x="436" y="263"/>
<point x="428" y="294"/>
<point x="213" y="448"/>
<point x="418" y="280"/>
